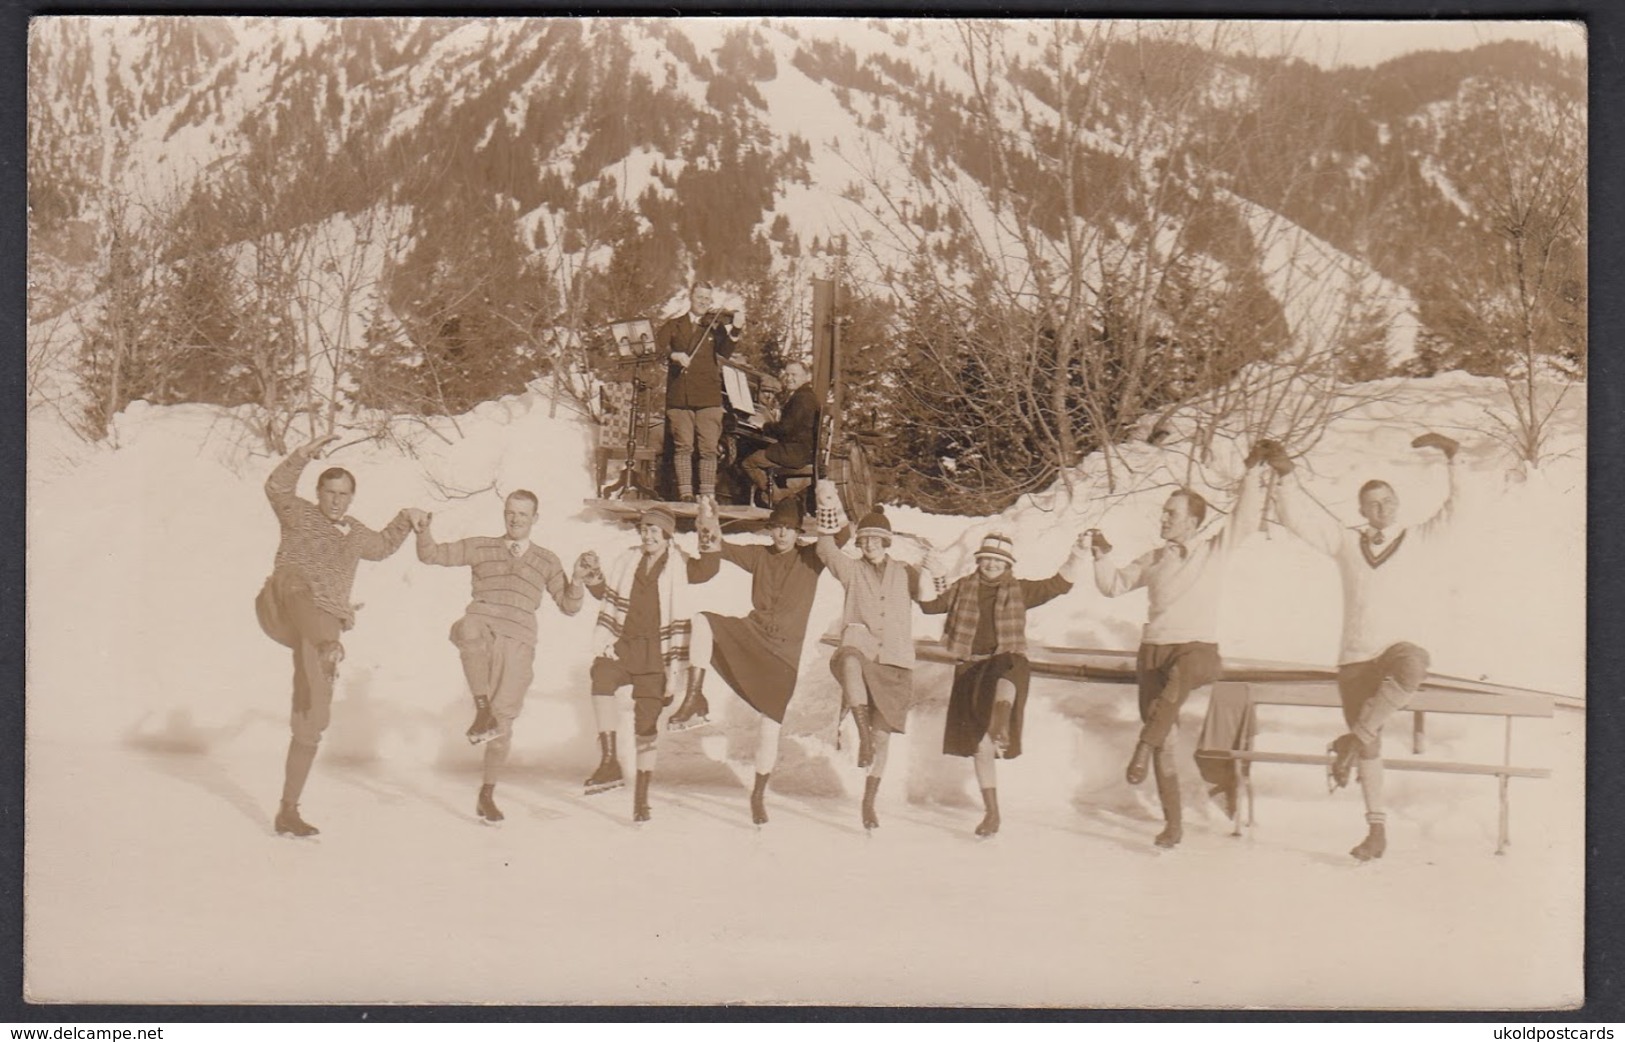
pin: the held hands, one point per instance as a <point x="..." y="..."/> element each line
<point x="934" y="563"/>
<point x="587" y="571"/>
<point x="1097" y="543"/>
<point x="1085" y="543"/>
<point x="1433" y="440"/>
<point x="707" y="527"/>
<point x="420" y="518"/>
<point x="1272" y="452"/>
<point x="314" y="448"/>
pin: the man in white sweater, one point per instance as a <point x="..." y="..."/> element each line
<point x="1378" y="671"/>
<point x="1179" y="651"/>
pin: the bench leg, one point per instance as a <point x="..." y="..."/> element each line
<point x="1250" y="733"/>
<point x="1503" y="841"/>
<point x="1418" y="732"/>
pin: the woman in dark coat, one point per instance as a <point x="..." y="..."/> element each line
<point x="986" y="634"/>
<point x="757" y="655"/>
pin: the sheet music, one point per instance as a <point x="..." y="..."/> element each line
<point x="737" y="388"/>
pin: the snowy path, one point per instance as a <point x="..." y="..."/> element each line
<point x="153" y="876"/>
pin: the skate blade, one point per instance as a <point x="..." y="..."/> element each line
<point x="490" y="823"/>
<point x="594" y="790"/>
<point x="481" y="739"/>
<point x="688" y="725"/>
<point x="298" y="838"/>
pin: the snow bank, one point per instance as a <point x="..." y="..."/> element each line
<point x="156" y="721"/>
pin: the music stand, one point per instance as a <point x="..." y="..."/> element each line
<point x="635" y="347"/>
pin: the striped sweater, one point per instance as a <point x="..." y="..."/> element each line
<point x="507" y="590"/>
<point x="324" y="553"/>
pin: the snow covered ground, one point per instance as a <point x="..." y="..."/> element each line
<point x="157" y="726"/>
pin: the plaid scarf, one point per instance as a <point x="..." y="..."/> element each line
<point x="676" y="625"/>
<point x="965" y="614"/>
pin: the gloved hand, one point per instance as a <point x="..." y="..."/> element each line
<point x="1274" y="453"/>
<point x="1434" y="440"/>
<point x="830" y="514"/>
<point x="1261" y="451"/>
<point x="708" y="528"/>
<point x="587" y="570"/>
<point x="1101" y="547"/>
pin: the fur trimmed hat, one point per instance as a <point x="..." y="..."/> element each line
<point x="661" y="518"/>
<point x="997" y="545"/>
<point x="874" y="522"/>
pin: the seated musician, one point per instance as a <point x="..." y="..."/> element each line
<point x="796" y="430"/>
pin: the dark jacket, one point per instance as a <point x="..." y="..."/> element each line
<point x="700" y="385"/>
<point x="796" y="429"/>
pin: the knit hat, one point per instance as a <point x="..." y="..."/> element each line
<point x="661" y="518"/>
<point x="874" y="523"/>
<point x="997" y="545"/>
<point x="786" y="512"/>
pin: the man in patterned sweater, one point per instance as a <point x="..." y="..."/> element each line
<point x="496" y="636"/>
<point x="1378" y="670"/>
<point x="305" y="604"/>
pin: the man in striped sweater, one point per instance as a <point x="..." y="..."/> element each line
<point x="496" y="636"/>
<point x="305" y="604"/>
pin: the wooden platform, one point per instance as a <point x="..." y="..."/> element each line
<point x="627" y="511"/>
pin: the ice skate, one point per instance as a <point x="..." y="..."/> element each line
<point x="289" y="823"/>
<point x="608" y="775"/>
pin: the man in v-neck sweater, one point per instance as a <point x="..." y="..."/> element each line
<point x="1378" y="671"/>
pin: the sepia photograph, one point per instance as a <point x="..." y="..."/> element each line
<point x="1070" y="513"/>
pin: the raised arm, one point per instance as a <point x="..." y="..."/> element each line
<point x="284" y="480"/>
<point x="1304" y="517"/>
<point x="375" y="546"/>
<point x="1112" y="580"/>
<point x="746" y="557"/>
<point x="566" y="591"/>
<point x="1440" y="522"/>
<point x="449" y="555"/>
<point x="704" y="567"/>
<point x="838" y="563"/>
<point x="1248" y="511"/>
<point x="1039" y="591"/>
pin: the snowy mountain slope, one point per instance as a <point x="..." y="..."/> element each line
<point x="148" y="106"/>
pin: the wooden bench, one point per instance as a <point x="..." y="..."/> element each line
<point x="1437" y="695"/>
<point x="1269" y="683"/>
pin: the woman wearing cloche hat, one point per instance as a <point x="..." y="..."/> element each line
<point x="986" y="634"/>
<point x="875" y="662"/>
